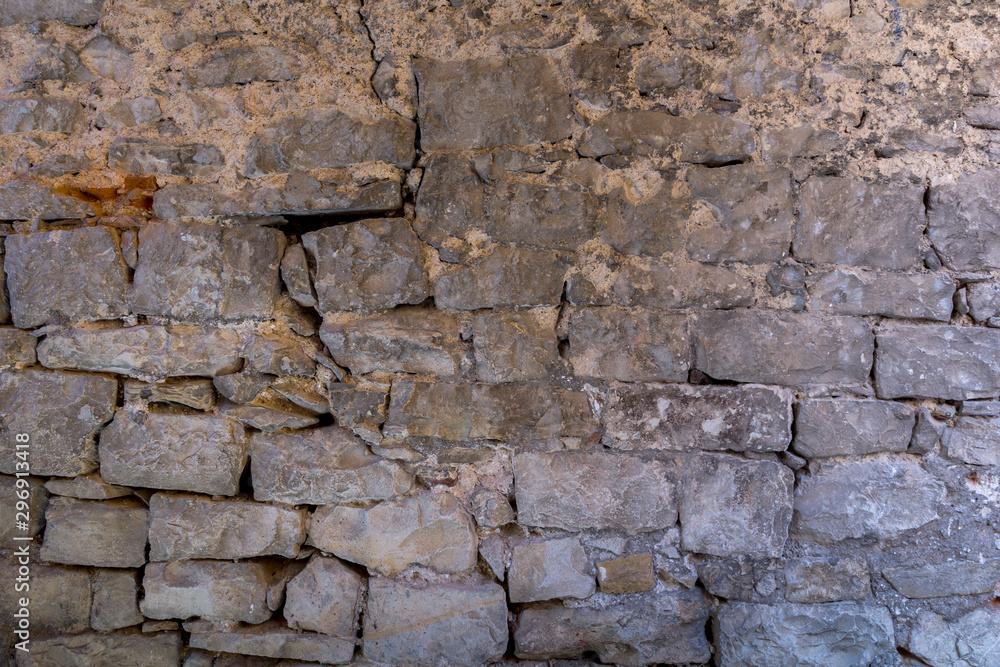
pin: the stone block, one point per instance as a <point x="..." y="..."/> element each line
<point x="969" y="639"/>
<point x="100" y="534"/>
<point x="963" y="221"/>
<point x="974" y="441"/>
<point x="847" y="427"/>
<point x="212" y="590"/>
<point x="242" y="65"/>
<point x="273" y="640"/>
<point x="943" y="579"/>
<point x="984" y="300"/>
<point x="632" y="574"/>
<point x="619" y="344"/>
<point x="556" y="568"/>
<point x="116" y="603"/>
<point x="811" y="580"/>
<point x="325" y="597"/>
<point x="925" y="296"/>
<point x="735" y="578"/>
<point x="40" y="114"/>
<point x="162" y="649"/>
<point x="145" y="156"/>
<point x="87" y="487"/>
<point x="197" y="394"/>
<point x="59" y="597"/>
<point x="651" y="225"/>
<point x="515" y="346"/>
<point x="510" y="277"/>
<point x="557" y="216"/>
<point x="28" y="491"/>
<point x="451" y="202"/>
<point x="27" y="200"/>
<point x="295" y="276"/>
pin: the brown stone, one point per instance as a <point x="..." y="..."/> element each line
<point x="30" y="492"/>
<point x="116" y="603"/>
<point x="28" y="200"/>
<point x="556" y="568"/>
<point x="197" y="394"/>
<point x="144" y="156"/>
<point x="87" y="487"/>
<point x="515" y="346"/>
<point x="212" y="590"/>
<point x="632" y="574"/>
<point x="101" y="534"/>
<point x="618" y="344"/>
<point x="141" y="650"/>
<point x="504" y="277"/>
<point x="273" y="640"/>
<point x="325" y="597"/>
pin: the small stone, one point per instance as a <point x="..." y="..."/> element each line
<point x="361" y="411"/>
<point x="163" y="649"/>
<point x="40" y="114"/>
<point x="242" y="65"/>
<point x="17" y="348"/>
<point x="100" y="534"/>
<point x="926" y="434"/>
<point x="26" y="491"/>
<point x="143" y="156"/>
<point x="86" y="487"/>
<point x="27" y="200"/>
<point x="551" y="569"/>
<point x="396" y="86"/>
<point x="983" y="116"/>
<point x="505" y="277"/>
<point x="295" y="275"/>
<point x="617" y="344"/>
<point x="810" y="580"/>
<point x="303" y="393"/>
<point x="983" y="300"/>
<point x="984" y="81"/>
<point x="838" y="427"/>
<point x="197" y="394"/>
<point x="941" y="580"/>
<point x="632" y="574"/>
<point x="267" y="419"/>
<point x="280" y="353"/>
<point x="740" y="578"/>
<point x="513" y="346"/>
<point x="59" y="597"/>
<point x="115" y="602"/>
<point x="105" y="58"/>
<point x="973" y="440"/>
<point x="213" y="590"/>
<point x="492" y="509"/>
<point x="980" y="408"/>
<point x="325" y="597"/>
<point x="906" y="295"/>
<point x="970" y="638"/>
<point x="274" y="640"/>
<point x="964" y="221"/>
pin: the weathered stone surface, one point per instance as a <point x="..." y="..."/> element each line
<point x="632" y="574"/>
<point x="361" y="411"/>
<point x="515" y="346"/>
<point x="580" y="490"/>
<point x="213" y="590"/>
<point x="504" y="277"/>
<point x="730" y="506"/>
<point x="202" y="453"/>
<point x="16" y="347"/>
<point x="662" y="285"/>
<point x="925" y="296"/>
<point x="462" y="624"/>
<point x="939" y="580"/>
<point x="964" y="221"/>
<point x="972" y="440"/>
<point x="650" y="225"/>
<point x="242" y="65"/>
<point x="66" y="275"/>
<point x="737" y="578"/>
<point x="280" y="353"/>
<point x="192" y="271"/>
<point x="984" y="300"/>
<point x="87" y="487"/>
<point x="59" y="597"/>
<point x="753" y="212"/>
<point x="161" y="649"/>
<point x="551" y="569"/>
<point x="662" y="416"/>
<point x="491" y="102"/>
<point x="189" y="526"/>
<point x="267" y="419"/>
<point x="38" y="114"/>
<point x="115" y="603"/>
<point x="811" y="580"/>
<point x="367" y="265"/>
<point x="845" y="427"/>
<point x="295" y="276"/>
<point x="703" y="139"/>
<point x="61" y="413"/>
<point x="844" y="221"/>
<point x="273" y="640"/>
<point x="940" y="361"/>
<point x="324" y="597"/>
<point x="101" y="534"/>
<point x="984" y="81"/>
<point x="450" y="202"/>
<point x="666" y="627"/>
<point x="330" y="138"/>
<point x="321" y="467"/>
<point x="927" y="432"/>
<point x="197" y="394"/>
<point x="396" y="85"/>
<point x="34" y="495"/>
<point x="432" y="530"/>
<point x="402" y="340"/>
<point x="144" y="351"/>
<point x="968" y="640"/>
<point x="26" y="200"/>
<point x="455" y="411"/>
<point x="144" y="156"/>
<point x="492" y="509"/>
<point x="558" y="216"/>
<point x="879" y="498"/>
<point x="839" y="633"/>
<point x="783" y="348"/>
<point x="983" y="116"/>
<point x="105" y="57"/>
<point x="618" y="344"/>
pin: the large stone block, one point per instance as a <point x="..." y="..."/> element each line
<point x="322" y="467"/>
<point x="324" y="597"/>
<point x="652" y="224"/>
<point x="464" y="625"/>
<point x="505" y="277"/>
<point x="40" y="114"/>
<point x="619" y="344"/>
<point x="467" y="104"/>
<point x="202" y="453"/>
<point x="61" y="413"/>
<point x="663" y="416"/>
<point x="595" y="490"/>
<point x="964" y="221"/>
<point x="274" y="640"/>
<point x="968" y="640"/>
<point x="844" y="221"/>
<point x="212" y="590"/>
<point x="660" y="284"/>
<point x="69" y="275"/>
<point x="556" y="568"/>
<point x="558" y="216"/>
<point x="730" y="506"/>
<point x="947" y="362"/>
<point x="161" y="649"/>
<point x="451" y="202"/>
<point x="186" y="526"/>
<point x="59" y="597"/>
<point x="880" y="498"/>
<point x="926" y="296"/>
<point x="27" y="200"/>
<point x="100" y="534"/>
<point x="432" y="530"/>
<point x="943" y="579"/>
<point x="972" y="440"/>
<point x="774" y="347"/>
<point x="515" y="346"/>
<point x="145" y="156"/>
<point x="846" y="427"/>
<point x="194" y="271"/>
<point x="147" y="351"/>
<point x="812" y="580"/>
<point x="116" y="600"/>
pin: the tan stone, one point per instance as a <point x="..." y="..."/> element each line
<point x="59" y="596"/>
<point x="325" y="597"/>
<point x="550" y="569"/>
<point x="273" y="640"/>
<point x="102" y="534"/>
<point x="213" y="590"/>
<point x="116" y="603"/>
<point x="87" y="487"/>
<point x="197" y="394"/>
<point x="135" y="650"/>
<point x="632" y="574"/>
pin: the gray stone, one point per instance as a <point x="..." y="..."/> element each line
<point x="846" y="427"/>
<point x="462" y="624"/>
<point x="451" y="203"/>
<point x="964" y="221"/>
<point x="184" y="526"/>
<point x="970" y="640"/>
<point x="242" y="65"/>
<point x="983" y="116"/>
<point x="100" y="534"/>
<point x="162" y="649"/>
<point x="367" y="265"/>
<point x="197" y="394"/>
<point x="947" y="362"/>
<point x="984" y="81"/>
<point x="839" y="633"/>
<point x="880" y="498"/>
<point x="662" y="416"/>
<point x="774" y="347"/>
<point x="330" y="138"/>
<point x="33" y="498"/>
<point x="619" y="344"/>
<point x="926" y="296"/>
<point x="666" y="627"/>
<point x="926" y="434"/>
<point x="492" y="509"/>
<point x="504" y="277"/>
<point x="844" y="221"/>
<point x="557" y="216"/>
<point x="106" y="58"/>
<point x="515" y="346"/>
<point x="811" y="580"/>
<point x="980" y="408"/>
<point x="302" y="392"/>
<point x="40" y="114"/>
<point x="144" y="351"/>
<point x="280" y="353"/>
<point x="322" y="467"/>
<point x="59" y="597"/>
<point x="131" y="112"/>
<point x="325" y="597"/>
<point x="27" y="200"/>
<point x="49" y="61"/>
<point x="295" y="275"/>
<point x="17" y="348"/>
<point x="87" y="487"/>
<point x="396" y="85"/>
<point x="274" y="640"/>
<point x="753" y="211"/>
<point x="145" y="156"/>
<point x="65" y="276"/>
<point x="940" y="580"/>
<point x="115" y="603"/>
<point x="361" y="411"/>
<point x="467" y="104"/>
<point x="556" y="568"/>
<point x="974" y="441"/>
<point x="730" y="506"/>
<point x="454" y="411"/>
<point x="738" y="579"/>
<point x="665" y="75"/>
<point x="202" y="272"/>
<point x="267" y="419"/>
<point x="702" y="139"/>
<point x="649" y="225"/>
<point x="201" y="453"/>
<point x="984" y="300"/>
<point x="61" y="414"/>
<point x="431" y="530"/>
<point x="213" y="590"/>
<point x="582" y="490"/>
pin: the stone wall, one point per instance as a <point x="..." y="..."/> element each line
<point x="491" y="332"/>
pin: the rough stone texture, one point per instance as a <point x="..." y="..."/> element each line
<point x="973" y="441"/>
<point x="27" y="200"/>
<point x="616" y="344"/>
<point x="964" y="221"/>
<point x="969" y="640"/>
<point x="632" y="574"/>
<point x="662" y="285"/>
<point x="461" y="624"/>
<point x="212" y="590"/>
<point x="101" y="534"/>
<point x="262" y="63"/>
<point x="324" y="597"/>
<point x="186" y="526"/>
<point x="840" y="633"/>
<point x="505" y="277"/>
<point x="142" y="156"/>
<point x="202" y="453"/>
<point x="432" y="530"/>
<point x="161" y="649"/>
<point x="580" y="490"/>
<point x="59" y="597"/>
<point x="87" y="487"/>
<point x="984" y="300"/>
<point x="939" y="580"/>
<point x="30" y="492"/>
<point x="550" y="569"/>
<point x="836" y="427"/>
<point x="115" y="603"/>
<point x="197" y="394"/>
<point x="295" y="275"/>
<point x="558" y="217"/>
<point x="926" y="296"/>
<point x="515" y="346"/>
<point x="811" y="580"/>
<point x="17" y="348"/>
<point x="272" y="640"/>
<point x="35" y="114"/>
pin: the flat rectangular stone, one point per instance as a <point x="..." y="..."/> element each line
<point x="326" y="597"/>
<point x="145" y="156"/>
<point x="963" y="220"/>
<point x="243" y="64"/>
<point x="650" y="222"/>
<point x="944" y="579"/>
<point x="17" y="348"/>
<point x="213" y="590"/>
<point x="946" y="362"/>
<point x="116" y="600"/>
<point x="558" y="216"/>
<point x="594" y="490"/>
<point x="87" y="487"/>
<point x="40" y="114"/>
<point x="972" y="440"/>
<point x="659" y="284"/>
<point x="451" y="203"/>
<point x="680" y="417"/>
<point x="161" y="649"/>
<point x="631" y="345"/>
<point x="846" y="427"/>
<point x="925" y="296"/>
<point x="453" y="411"/>
<point x="632" y="574"/>
<point x="515" y="346"/>
<point x="99" y="534"/>
<point x="776" y="347"/>
<point x="202" y="453"/>
<point x="146" y="351"/>
<point x="556" y="568"/>
<point x="27" y="200"/>
<point x="505" y="277"/>
<point x="59" y="598"/>
<point x="811" y="580"/>
<point x="274" y="640"/>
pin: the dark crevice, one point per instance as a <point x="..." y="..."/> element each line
<point x="303" y="224"/>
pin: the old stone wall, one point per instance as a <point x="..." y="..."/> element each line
<point x="427" y="332"/>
